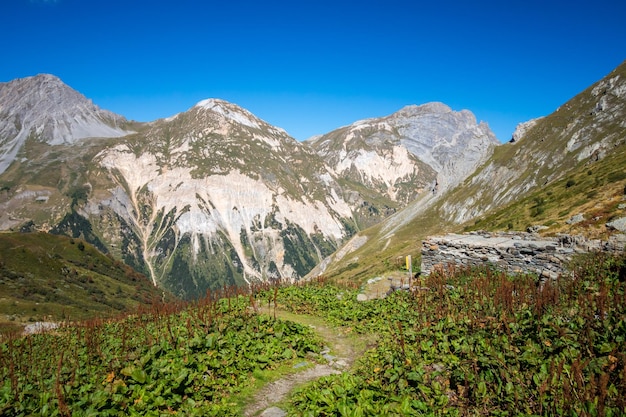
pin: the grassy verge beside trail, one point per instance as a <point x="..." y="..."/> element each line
<point x="195" y="361"/>
<point x="479" y="342"/>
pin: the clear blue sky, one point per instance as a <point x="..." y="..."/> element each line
<point x="311" y="66"/>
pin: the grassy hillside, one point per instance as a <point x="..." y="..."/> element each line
<point x="594" y="189"/>
<point x="44" y="277"/>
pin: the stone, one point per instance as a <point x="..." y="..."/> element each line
<point x="340" y="364"/>
<point x="617" y="224"/>
<point x="522" y="128"/>
<point x="361" y="297"/>
<point x="575" y="219"/>
<point x="514" y="252"/>
<point x="273" y="412"/>
<point x="40" y="327"/>
<point x="328" y="357"/>
<point x="374" y="280"/>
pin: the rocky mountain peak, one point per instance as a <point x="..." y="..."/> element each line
<point x="42" y="107"/>
<point x="431" y="143"/>
<point x="230" y="112"/>
<point x="427" y="108"/>
<point x="229" y="118"/>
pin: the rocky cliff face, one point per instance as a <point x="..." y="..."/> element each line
<point x="427" y="147"/>
<point x="44" y="109"/>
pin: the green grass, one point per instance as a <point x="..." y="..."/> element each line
<point x="45" y="277"/>
<point x="201" y="359"/>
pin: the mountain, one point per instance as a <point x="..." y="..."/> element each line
<point x="44" y="109"/>
<point x="560" y="173"/>
<point x="582" y="132"/>
<point x="573" y="165"/>
<point x="215" y="196"/>
<point x="398" y="157"/>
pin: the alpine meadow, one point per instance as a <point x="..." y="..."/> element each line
<point x="209" y="264"/>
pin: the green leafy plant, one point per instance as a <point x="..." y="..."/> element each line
<point x="476" y="341"/>
<point x="175" y="358"/>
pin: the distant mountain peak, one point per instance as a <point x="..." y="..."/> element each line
<point x="49" y="78"/>
<point x="230" y="112"/>
<point x="210" y="103"/>
<point x="44" y="108"/>
<point x="432" y="107"/>
<point x="450" y="142"/>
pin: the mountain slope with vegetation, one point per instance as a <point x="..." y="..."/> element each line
<point x="568" y="164"/>
<point x="45" y="277"/>
<point x="466" y="342"/>
<point x="586" y="136"/>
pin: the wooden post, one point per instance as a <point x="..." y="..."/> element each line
<point x="409" y="267"/>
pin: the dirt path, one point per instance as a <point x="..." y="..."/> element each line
<point x="341" y="351"/>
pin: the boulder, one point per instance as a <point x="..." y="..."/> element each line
<point x="617" y="224"/>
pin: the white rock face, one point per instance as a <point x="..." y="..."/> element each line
<point x="379" y="167"/>
<point x="239" y="196"/>
<point x="453" y="143"/>
<point x="44" y="108"/>
<point x="618" y="224"/>
<point x="225" y="109"/>
<point x="388" y="151"/>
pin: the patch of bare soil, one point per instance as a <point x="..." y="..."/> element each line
<point x="378" y="287"/>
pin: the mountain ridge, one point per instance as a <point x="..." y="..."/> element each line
<point x="215" y="196"/>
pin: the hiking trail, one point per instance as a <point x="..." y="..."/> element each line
<point x="340" y="351"/>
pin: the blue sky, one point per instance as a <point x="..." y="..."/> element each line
<point x="312" y="66"/>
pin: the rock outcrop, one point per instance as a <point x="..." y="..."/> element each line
<point x="511" y="252"/>
<point x="522" y="128"/>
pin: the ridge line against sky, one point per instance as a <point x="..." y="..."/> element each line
<point x="311" y="67"/>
